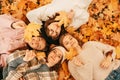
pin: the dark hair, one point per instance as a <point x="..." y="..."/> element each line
<point x="50" y="20"/>
<point x="44" y="29"/>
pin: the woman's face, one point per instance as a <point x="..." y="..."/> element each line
<point x="53" y="30"/>
<point x="37" y="43"/>
<point x="69" y="42"/>
<point x="54" y="56"/>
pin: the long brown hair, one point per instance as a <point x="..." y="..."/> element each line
<point x="50" y="20"/>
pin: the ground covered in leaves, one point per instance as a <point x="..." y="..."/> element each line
<point x="103" y="24"/>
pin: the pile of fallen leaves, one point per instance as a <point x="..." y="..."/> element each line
<point x="19" y="8"/>
<point x="103" y="24"/>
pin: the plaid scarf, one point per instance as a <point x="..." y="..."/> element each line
<point x="15" y="55"/>
<point x="25" y="67"/>
<point x="41" y="76"/>
<point x="14" y="75"/>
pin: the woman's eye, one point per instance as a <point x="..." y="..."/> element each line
<point x="66" y="43"/>
<point x="70" y="38"/>
<point x="32" y="43"/>
<point x="56" y="33"/>
<point x="59" y="56"/>
<point x="54" y="51"/>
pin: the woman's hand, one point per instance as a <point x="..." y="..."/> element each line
<point x="78" y="61"/>
<point x="71" y="14"/>
<point x="106" y="62"/>
<point x="30" y="54"/>
<point x="21" y="79"/>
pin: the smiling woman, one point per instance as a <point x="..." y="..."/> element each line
<point x="56" y="55"/>
<point x="74" y="15"/>
<point x="94" y="59"/>
<point x="37" y="43"/>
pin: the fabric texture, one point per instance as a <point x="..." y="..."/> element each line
<point x="114" y="75"/>
<point x="32" y="70"/>
<point x="10" y="39"/>
<point x="13" y="75"/>
<point x="41" y="76"/>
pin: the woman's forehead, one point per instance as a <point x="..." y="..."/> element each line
<point x="66" y="37"/>
<point x="58" y="51"/>
<point x="38" y="38"/>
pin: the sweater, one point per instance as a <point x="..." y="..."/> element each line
<point x="78" y="6"/>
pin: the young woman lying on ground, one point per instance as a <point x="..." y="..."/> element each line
<point x="94" y="61"/>
<point x="51" y="17"/>
<point x="12" y="37"/>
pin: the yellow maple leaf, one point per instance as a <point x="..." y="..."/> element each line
<point x="40" y="55"/>
<point x="13" y="7"/>
<point x="63" y="19"/>
<point x="32" y="29"/>
<point x="70" y="29"/>
<point x="72" y="52"/>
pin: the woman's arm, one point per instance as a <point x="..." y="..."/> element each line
<point x="81" y="17"/>
<point x="107" y="50"/>
<point x="104" y="48"/>
<point x="7" y="19"/>
<point x="38" y="15"/>
<point x="13" y="64"/>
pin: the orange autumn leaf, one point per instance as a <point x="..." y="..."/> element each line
<point x="117" y="49"/>
<point x="70" y="29"/>
<point x="32" y="5"/>
<point x="21" y="4"/>
<point x="61" y="74"/>
<point x="113" y="4"/>
<point x="65" y="69"/>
